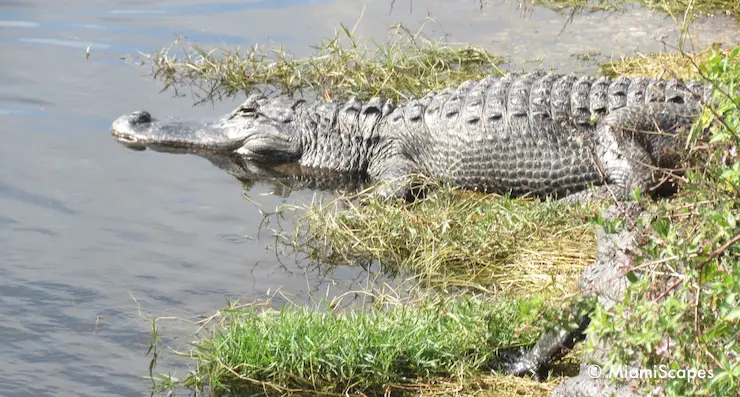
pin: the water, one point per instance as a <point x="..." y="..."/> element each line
<point x="86" y="226"/>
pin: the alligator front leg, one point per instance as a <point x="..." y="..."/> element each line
<point x="633" y="142"/>
<point x="392" y="170"/>
<point x="395" y="179"/>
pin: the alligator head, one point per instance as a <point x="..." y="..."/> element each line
<point x="258" y="133"/>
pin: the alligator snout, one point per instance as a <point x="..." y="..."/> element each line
<point x="128" y="128"/>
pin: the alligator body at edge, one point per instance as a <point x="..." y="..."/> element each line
<point x="537" y="133"/>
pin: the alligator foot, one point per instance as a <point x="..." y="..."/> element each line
<point x="598" y="193"/>
<point x="551" y="347"/>
<point x="399" y="180"/>
<point x="403" y="188"/>
<point x="520" y="363"/>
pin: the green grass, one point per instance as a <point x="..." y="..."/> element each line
<point x="256" y="349"/>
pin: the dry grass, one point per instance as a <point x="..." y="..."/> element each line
<point x="672" y="7"/>
<point x="666" y="64"/>
<point x="454" y="239"/>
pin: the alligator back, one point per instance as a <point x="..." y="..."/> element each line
<point x="531" y="133"/>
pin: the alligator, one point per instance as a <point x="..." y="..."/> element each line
<point x="520" y="134"/>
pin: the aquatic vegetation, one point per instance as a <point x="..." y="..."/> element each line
<point x="406" y="64"/>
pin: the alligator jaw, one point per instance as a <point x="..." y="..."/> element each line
<point x="127" y="140"/>
<point x="139" y="131"/>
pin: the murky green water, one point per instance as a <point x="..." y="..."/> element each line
<point x="86" y="224"/>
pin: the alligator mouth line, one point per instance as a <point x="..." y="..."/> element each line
<point x="123" y="137"/>
<point x="127" y="139"/>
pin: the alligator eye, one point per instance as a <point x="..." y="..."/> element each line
<point x="244" y="111"/>
<point x="249" y="112"/>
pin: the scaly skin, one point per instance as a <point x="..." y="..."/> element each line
<point x="538" y="133"/>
